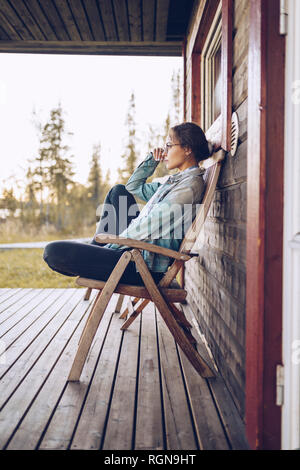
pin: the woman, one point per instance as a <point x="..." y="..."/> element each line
<point x="169" y="211"/>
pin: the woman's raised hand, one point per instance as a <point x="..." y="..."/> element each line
<point x="159" y="154"/>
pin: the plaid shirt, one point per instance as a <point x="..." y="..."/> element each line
<point x="171" y="207"/>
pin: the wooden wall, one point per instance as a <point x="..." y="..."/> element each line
<point x="216" y="282"/>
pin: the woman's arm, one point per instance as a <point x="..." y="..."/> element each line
<point x="137" y="185"/>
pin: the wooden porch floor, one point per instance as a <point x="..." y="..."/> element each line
<point x="137" y="391"/>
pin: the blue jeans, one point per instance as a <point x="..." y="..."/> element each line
<point x="92" y="260"/>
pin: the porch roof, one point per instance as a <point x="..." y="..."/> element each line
<point x="110" y="27"/>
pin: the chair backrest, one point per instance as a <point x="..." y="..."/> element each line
<point x="212" y="166"/>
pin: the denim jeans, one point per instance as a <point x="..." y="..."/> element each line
<point x="92" y="260"/>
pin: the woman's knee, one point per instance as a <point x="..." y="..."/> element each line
<point x="117" y="190"/>
<point x="54" y="252"/>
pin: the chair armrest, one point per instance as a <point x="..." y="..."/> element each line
<point x="130" y="242"/>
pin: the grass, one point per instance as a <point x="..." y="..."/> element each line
<point x="26" y="268"/>
<point x="12" y="231"/>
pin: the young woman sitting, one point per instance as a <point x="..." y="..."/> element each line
<point x="170" y="209"/>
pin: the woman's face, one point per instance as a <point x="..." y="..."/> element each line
<point x="176" y="156"/>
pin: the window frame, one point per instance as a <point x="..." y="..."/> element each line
<point x="212" y="43"/>
<point x="219" y="131"/>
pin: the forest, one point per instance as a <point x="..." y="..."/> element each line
<point x="53" y="204"/>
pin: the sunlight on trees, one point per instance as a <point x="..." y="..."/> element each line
<point x="51" y="201"/>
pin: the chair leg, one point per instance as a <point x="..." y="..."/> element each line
<point x="179" y="316"/>
<point x="95" y="318"/>
<point x="181" y="339"/>
<point x="125" y="313"/>
<point x="119" y="303"/>
<point x="88" y="293"/>
<point x="90" y="314"/>
<point x="135" y="314"/>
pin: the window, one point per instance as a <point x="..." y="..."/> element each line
<point x="211" y="89"/>
<point x="211" y="72"/>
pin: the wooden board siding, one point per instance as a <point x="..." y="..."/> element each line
<point x="136" y="391"/>
<point x="216" y="284"/>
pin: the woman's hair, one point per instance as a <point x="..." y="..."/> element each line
<point x="191" y="135"/>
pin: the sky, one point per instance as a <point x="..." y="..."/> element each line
<point x="94" y="93"/>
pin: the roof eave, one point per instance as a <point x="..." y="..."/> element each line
<point x="167" y="48"/>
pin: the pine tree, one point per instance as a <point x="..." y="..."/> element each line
<point x="54" y="166"/>
<point x="130" y="155"/>
<point x="9" y="201"/>
<point x="95" y="183"/>
<point x="176" y="83"/>
<point x="96" y="187"/>
<point x="30" y="203"/>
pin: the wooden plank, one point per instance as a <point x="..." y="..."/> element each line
<point x="212" y="421"/>
<point x="93" y="47"/>
<point x="27" y="19"/>
<point x="9" y="292"/>
<point x="37" y="13"/>
<point x="148" y="20"/>
<point x="201" y="345"/>
<point x="54" y="20"/>
<point x="149" y="427"/>
<point x="81" y="20"/>
<point x="14" y="309"/>
<point x="162" y="10"/>
<point x="121" y="19"/>
<point x="87" y="293"/>
<point x="67" y="17"/>
<point x="135" y="20"/>
<point x="3" y="35"/>
<point x="179" y="316"/>
<point x="10" y="300"/>
<point x="174" y="295"/>
<point x="120" y="426"/>
<point x="134" y="313"/>
<point x="108" y="20"/>
<point x="8" y="28"/>
<point x="207" y="423"/>
<point x="231" y="420"/>
<point x="89" y="432"/>
<point x="130" y="306"/>
<point x="130" y="242"/>
<point x="95" y="319"/>
<point x="3" y="291"/>
<point x="124" y="314"/>
<point x="119" y="303"/>
<point x="13" y="19"/>
<point x="18" y="323"/>
<point x="178" y="423"/>
<point x="94" y="20"/>
<point x="51" y="305"/>
<point x="91" y="311"/>
<point x="65" y="401"/>
<point x="24" y="395"/>
<point x="26" y="351"/>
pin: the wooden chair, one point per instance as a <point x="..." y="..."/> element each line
<point x="164" y="294"/>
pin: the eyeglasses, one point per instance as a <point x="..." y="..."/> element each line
<point x="168" y="146"/>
